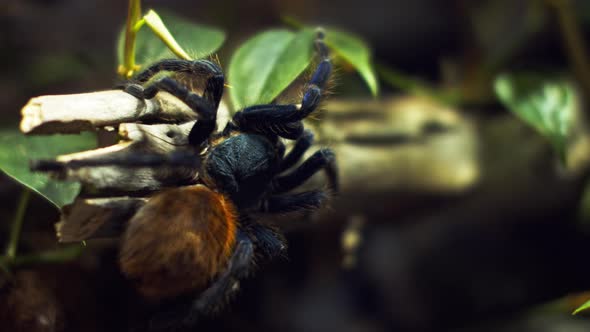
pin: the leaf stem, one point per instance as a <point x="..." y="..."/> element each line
<point x="17" y="223"/>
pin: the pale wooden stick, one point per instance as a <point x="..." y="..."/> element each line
<point x="88" y="111"/>
<point x="139" y="139"/>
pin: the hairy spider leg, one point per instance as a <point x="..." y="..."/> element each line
<point x="238" y="268"/>
<point x="269" y="118"/>
<point x="267" y="240"/>
<point x="281" y="149"/>
<point x="301" y="145"/>
<point x="321" y="159"/>
<point x="205" y="106"/>
<point x="306" y="200"/>
<point x="206" y="123"/>
<point x="210" y="70"/>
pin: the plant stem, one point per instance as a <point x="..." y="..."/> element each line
<point x="574" y="41"/>
<point x="292" y="22"/>
<point x="4" y="268"/>
<point x="133" y="16"/>
<point x="60" y="255"/>
<point x="17" y="223"/>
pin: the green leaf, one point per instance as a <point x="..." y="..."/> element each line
<point x="198" y="40"/>
<point x="267" y="63"/>
<point x="582" y="307"/>
<point x="546" y="103"/>
<point x="356" y="52"/>
<point x="17" y="149"/>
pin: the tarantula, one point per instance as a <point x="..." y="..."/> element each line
<point x="202" y="238"/>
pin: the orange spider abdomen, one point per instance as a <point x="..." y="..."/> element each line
<point x="178" y="241"/>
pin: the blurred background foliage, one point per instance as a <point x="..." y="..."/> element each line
<point x="501" y="251"/>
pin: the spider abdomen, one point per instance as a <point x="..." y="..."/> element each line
<point x="179" y="241"/>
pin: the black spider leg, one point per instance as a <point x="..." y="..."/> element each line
<point x="321" y="159"/>
<point x="205" y="106"/>
<point x="215" y="79"/>
<point x="238" y="268"/>
<point x="303" y="201"/>
<point x="206" y="123"/>
<point x="281" y="119"/>
<point x="301" y="145"/>
<point x="268" y="242"/>
<point x="307" y="200"/>
<point x="281" y="149"/>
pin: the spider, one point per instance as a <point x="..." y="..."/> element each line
<point x="203" y="238"/>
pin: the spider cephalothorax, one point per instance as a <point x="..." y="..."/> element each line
<point x="203" y="238"/>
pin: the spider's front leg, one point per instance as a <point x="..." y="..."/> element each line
<point x="207" y="113"/>
<point x="272" y="119"/>
<point x="197" y="68"/>
<point x="205" y="106"/>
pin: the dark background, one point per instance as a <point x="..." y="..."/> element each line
<point x="488" y="259"/>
